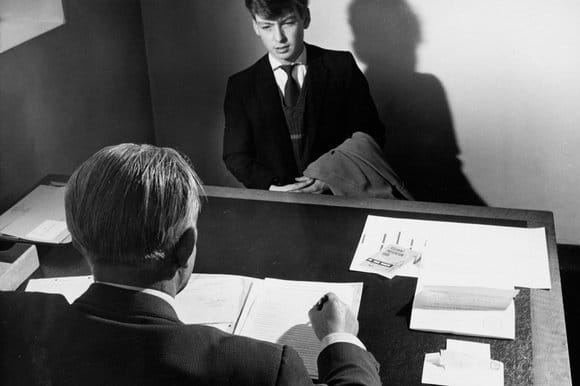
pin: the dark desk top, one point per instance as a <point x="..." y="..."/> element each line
<point x="313" y="237"/>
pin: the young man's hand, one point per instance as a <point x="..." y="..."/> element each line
<point x="302" y="185"/>
<point x="295" y="187"/>
<point x="330" y="315"/>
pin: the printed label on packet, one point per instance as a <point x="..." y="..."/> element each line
<point x="390" y="259"/>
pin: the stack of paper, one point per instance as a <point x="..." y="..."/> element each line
<point x="462" y="363"/>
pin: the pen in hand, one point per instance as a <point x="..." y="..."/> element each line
<point x="321" y="302"/>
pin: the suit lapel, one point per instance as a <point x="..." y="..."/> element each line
<point x="318" y="74"/>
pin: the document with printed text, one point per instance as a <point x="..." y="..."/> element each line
<point x="38" y="217"/>
<point x="460" y="245"/>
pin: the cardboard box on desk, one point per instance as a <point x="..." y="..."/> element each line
<point x="16" y="265"/>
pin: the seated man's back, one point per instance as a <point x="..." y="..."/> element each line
<point x="113" y="336"/>
<point x="124" y="329"/>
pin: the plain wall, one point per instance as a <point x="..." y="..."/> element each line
<point x="192" y="47"/>
<point x="489" y="89"/>
<point x="71" y="91"/>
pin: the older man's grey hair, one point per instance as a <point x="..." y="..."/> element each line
<point x="129" y="204"/>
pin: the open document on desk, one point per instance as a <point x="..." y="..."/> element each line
<point x="38" y="217"/>
<point x="268" y="309"/>
<point x="476" y="303"/>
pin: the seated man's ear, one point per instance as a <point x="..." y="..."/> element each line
<point x="185" y="247"/>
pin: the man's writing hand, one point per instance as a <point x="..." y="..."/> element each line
<point x="330" y="315"/>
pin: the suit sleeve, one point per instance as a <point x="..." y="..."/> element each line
<point x="341" y="364"/>
<point x="239" y="153"/>
<point x="292" y="370"/>
<point x="363" y="113"/>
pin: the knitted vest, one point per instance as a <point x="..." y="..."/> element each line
<point x="296" y="128"/>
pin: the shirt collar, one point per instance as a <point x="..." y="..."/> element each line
<point x="275" y="63"/>
<point x="160" y="294"/>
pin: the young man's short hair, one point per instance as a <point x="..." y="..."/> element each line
<point x="272" y="9"/>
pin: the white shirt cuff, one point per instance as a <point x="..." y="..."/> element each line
<point x="341" y="337"/>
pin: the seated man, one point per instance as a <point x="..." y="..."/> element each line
<point x="132" y="213"/>
<point x="293" y="105"/>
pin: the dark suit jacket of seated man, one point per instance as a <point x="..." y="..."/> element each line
<point x="265" y="142"/>
<point x="132" y="212"/>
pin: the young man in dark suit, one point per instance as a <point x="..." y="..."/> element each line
<point x="296" y="103"/>
<point x="132" y="212"/>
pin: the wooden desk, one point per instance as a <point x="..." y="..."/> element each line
<point x="313" y="237"/>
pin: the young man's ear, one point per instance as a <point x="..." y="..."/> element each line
<point x="184" y="247"/>
<point x="255" y="25"/>
<point x="306" y="18"/>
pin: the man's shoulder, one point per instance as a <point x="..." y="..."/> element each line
<point x="24" y="300"/>
<point x="249" y="72"/>
<point x="327" y="56"/>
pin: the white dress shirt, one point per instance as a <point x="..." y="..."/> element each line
<point x="298" y="72"/>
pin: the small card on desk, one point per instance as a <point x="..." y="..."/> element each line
<point x="16" y="265"/>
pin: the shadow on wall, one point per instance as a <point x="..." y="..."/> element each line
<point x="421" y="143"/>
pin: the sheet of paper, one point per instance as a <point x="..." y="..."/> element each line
<point x="72" y="287"/>
<point x="214" y="300"/>
<point x="466" y="245"/>
<point x="39" y="216"/>
<point x="278" y="313"/>
<point x="496" y="323"/>
<point x="462" y="363"/>
<point x="49" y="230"/>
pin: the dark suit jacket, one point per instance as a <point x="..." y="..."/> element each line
<point x="112" y="336"/>
<point x="257" y="148"/>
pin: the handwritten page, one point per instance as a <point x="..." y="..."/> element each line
<point x="214" y="300"/>
<point x="39" y="216"/>
<point x="463" y="245"/>
<point x="278" y="312"/>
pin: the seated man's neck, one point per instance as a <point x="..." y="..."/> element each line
<point x="133" y="277"/>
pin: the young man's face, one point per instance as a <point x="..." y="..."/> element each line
<point x="283" y="37"/>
